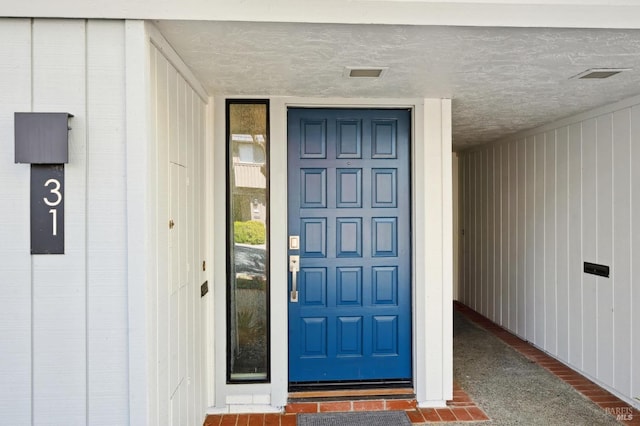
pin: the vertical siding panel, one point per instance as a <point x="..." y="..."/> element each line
<point x="466" y="234"/>
<point x="487" y="229"/>
<point x="472" y="230"/>
<point x="468" y="229"/>
<point x="621" y="267"/>
<point x="491" y="245"/>
<point x="496" y="290"/>
<point x="539" y="226"/>
<point x="477" y="225"/>
<point x="199" y="232"/>
<point x="172" y="93"/>
<point x="521" y="247"/>
<point x="152" y="291"/>
<point x="482" y="255"/>
<point x="513" y="236"/>
<point x="589" y="246"/>
<point x="462" y="170"/>
<point x="506" y="185"/>
<point x="498" y="244"/>
<point x="174" y="262"/>
<point x="495" y="233"/>
<point x="634" y="231"/>
<point x="473" y="224"/>
<point x="59" y="292"/>
<point x="504" y="241"/>
<point x="575" y="244"/>
<point x="479" y="280"/>
<point x="163" y="154"/>
<point x="185" y="278"/>
<point x="529" y="262"/>
<point x="489" y="191"/>
<point x="198" y="181"/>
<point x="174" y="301"/>
<point x="184" y="297"/>
<point x="201" y="393"/>
<point x="485" y="232"/>
<point x="184" y="259"/>
<point x="182" y="121"/>
<point x="562" y="238"/>
<point x="192" y="240"/>
<point x="15" y="268"/>
<point x="107" y="345"/>
<point x="550" y="295"/>
<point x="605" y="247"/>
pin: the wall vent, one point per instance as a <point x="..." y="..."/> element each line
<point x="364" y="72"/>
<point x="599" y="73"/>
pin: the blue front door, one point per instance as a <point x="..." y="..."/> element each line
<point x="349" y="204"/>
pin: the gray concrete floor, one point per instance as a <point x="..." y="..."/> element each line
<point x="511" y="389"/>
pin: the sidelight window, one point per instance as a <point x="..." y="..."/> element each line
<point x="247" y="241"/>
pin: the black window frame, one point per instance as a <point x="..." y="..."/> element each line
<point x="230" y="238"/>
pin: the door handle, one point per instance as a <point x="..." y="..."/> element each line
<point x="294" y="267"/>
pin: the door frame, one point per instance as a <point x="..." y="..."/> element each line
<point x="431" y="246"/>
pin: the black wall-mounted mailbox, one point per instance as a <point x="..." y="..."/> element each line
<point x="595" y="269"/>
<point x="42" y="137"/>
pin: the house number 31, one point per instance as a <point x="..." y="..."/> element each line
<point x="54" y="188"/>
<point x="47" y="208"/>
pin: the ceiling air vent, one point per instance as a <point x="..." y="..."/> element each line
<point x="364" y="72"/>
<point x="599" y="73"/>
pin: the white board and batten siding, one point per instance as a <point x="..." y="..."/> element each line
<point x="63" y="318"/>
<point x="537" y="206"/>
<point x="177" y="360"/>
<point x="69" y="328"/>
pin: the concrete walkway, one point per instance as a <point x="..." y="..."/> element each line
<point x="516" y="384"/>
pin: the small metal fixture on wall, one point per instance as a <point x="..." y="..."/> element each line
<point x="42" y="140"/>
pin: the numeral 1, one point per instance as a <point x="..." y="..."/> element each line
<point x="54" y="218"/>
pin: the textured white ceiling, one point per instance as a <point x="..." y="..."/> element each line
<point x="501" y="80"/>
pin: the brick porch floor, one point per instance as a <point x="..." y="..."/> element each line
<point x="460" y="409"/>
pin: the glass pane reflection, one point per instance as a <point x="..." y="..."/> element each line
<point x="248" y="242"/>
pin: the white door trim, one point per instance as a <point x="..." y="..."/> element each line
<point x="431" y="247"/>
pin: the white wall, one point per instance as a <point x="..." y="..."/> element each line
<point x="177" y="314"/>
<point x="97" y="336"/>
<point x="63" y="318"/>
<point x="534" y="208"/>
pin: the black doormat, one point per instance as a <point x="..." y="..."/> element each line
<point x="360" y="418"/>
